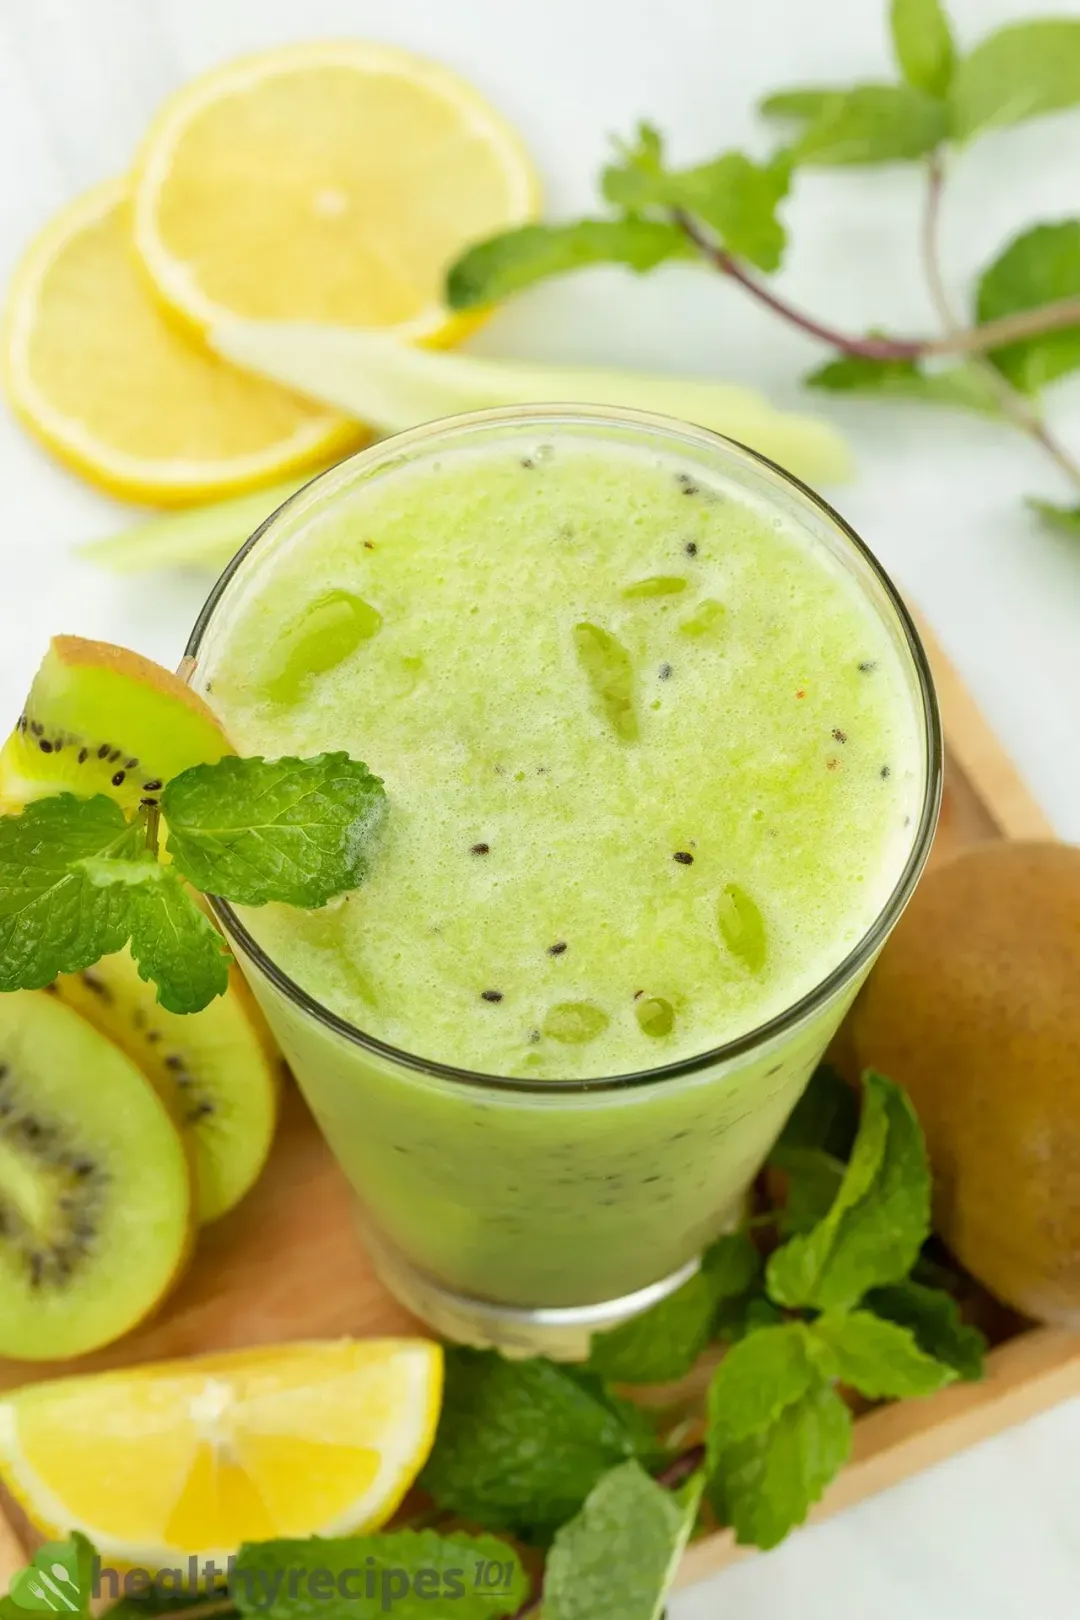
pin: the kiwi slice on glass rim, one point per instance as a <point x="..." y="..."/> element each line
<point x="101" y="719"/>
<point x="96" y="1191"/>
<point x="216" y="1071"/>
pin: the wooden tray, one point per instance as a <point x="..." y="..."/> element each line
<point x="289" y="1263"/>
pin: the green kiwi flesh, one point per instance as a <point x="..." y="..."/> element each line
<point x="214" y="1071"/>
<point x="95" y="1185"/>
<point x="100" y="719"/>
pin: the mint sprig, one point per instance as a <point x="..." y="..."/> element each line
<point x="1021" y="331"/>
<point x="78" y="881"/>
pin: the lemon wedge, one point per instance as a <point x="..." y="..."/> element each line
<point x="327" y="182"/>
<point x="98" y="373"/>
<point x="166" y="1462"/>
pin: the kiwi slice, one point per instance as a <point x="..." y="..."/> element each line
<point x="100" y="719"/>
<point x="216" y="1071"/>
<point x="96" y="1198"/>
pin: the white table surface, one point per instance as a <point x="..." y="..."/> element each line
<point x="995" y="1534"/>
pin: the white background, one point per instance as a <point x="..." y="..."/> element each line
<point x="996" y="1534"/>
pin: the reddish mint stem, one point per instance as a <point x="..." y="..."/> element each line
<point x="967" y="340"/>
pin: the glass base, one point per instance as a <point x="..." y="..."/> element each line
<point x="561" y="1334"/>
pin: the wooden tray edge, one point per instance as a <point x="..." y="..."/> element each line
<point x="973" y="744"/>
<point x="1025" y="1376"/>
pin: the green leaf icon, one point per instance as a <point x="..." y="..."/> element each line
<point x="52" y="1583"/>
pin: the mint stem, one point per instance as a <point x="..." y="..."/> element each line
<point x="972" y="340"/>
<point x="1018" y="410"/>
<point x="153" y="822"/>
<point x="869" y="348"/>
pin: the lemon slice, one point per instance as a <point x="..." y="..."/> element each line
<point x="191" y="1458"/>
<point x="327" y="182"/>
<point x="98" y="373"/>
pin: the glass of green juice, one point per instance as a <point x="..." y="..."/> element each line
<point x="663" y="765"/>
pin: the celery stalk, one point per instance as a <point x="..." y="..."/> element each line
<point x="391" y="387"/>
<point x="197" y="537"/>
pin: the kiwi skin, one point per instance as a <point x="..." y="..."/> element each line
<point x="974" y="1007"/>
<point x="101" y="719"/>
<point x="217" y="1072"/>
<point x="96" y="1192"/>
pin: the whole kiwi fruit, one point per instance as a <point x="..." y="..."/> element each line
<point x="974" y="1007"/>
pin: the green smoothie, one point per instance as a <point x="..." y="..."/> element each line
<point x="655" y="764"/>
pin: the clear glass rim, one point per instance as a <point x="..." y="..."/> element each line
<point x="547" y="417"/>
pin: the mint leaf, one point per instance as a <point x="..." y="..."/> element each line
<point x="1039" y="267"/>
<point x="765" y="1484"/>
<point x="663" y="1343"/>
<point x="401" y="1572"/>
<point x="1063" y="519"/>
<point x="176" y="946"/>
<point x="813" y="1148"/>
<point x="800" y="105"/>
<point x="506" y="264"/>
<point x="734" y="196"/>
<point x="1020" y="72"/>
<point x="873" y="123"/>
<point x="923" y="44"/>
<point x="879" y="1221"/>
<point x="962" y="385"/>
<point x="757" y="1379"/>
<point x="737" y="198"/>
<point x="934" y="1318"/>
<point x="880" y="1359"/>
<point x="617" y="1559"/>
<point x="53" y="918"/>
<point x="745" y="1314"/>
<point x="825" y="1117"/>
<point x="814" y="1179"/>
<point x="258" y="830"/>
<point x="520" y="1444"/>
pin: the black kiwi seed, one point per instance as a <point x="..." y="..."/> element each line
<point x="45" y="745"/>
<point x="131" y="764"/>
<point x="103" y="751"/>
<point x="152" y="787"/>
<point x="84" y="755"/>
<point x="37" y="728"/>
<point x="97" y="986"/>
<point x="118" y="779"/>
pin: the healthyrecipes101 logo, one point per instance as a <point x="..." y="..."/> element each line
<point x="59" y="1582"/>
<point x="53" y="1581"/>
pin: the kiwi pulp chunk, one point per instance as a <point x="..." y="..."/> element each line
<point x="95" y="1185"/>
<point x="101" y="719"/>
